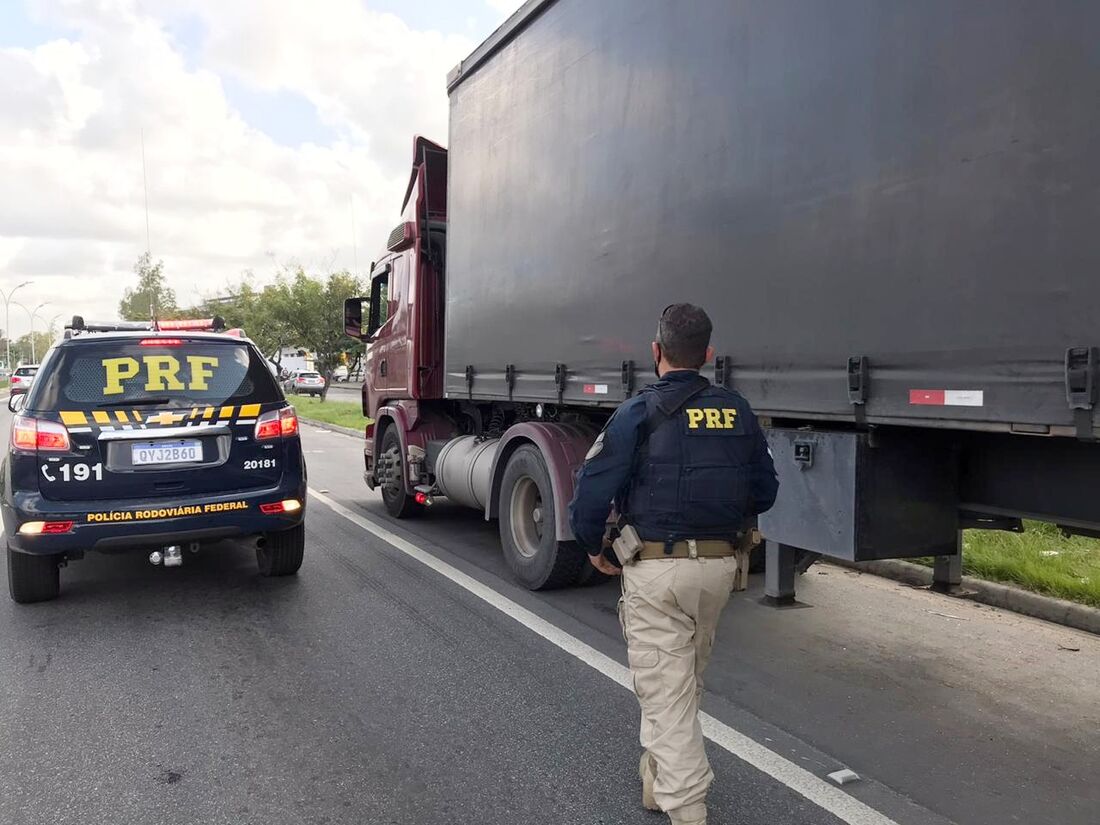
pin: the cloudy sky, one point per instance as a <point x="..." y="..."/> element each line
<point x="267" y="124"/>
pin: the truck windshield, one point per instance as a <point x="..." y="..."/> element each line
<point x="175" y="374"/>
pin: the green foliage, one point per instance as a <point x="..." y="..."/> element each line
<point x="298" y="310"/>
<point x="308" y="312"/>
<point x="341" y="413"/>
<point x="1040" y="559"/>
<point x="22" y="352"/>
<point x="150" y="294"/>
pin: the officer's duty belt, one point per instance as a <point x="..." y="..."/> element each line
<point x="704" y="549"/>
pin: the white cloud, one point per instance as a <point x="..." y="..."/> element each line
<point x="504" y="6"/>
<point x="223" y="196"/>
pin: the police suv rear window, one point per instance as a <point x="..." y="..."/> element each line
<point x="177" y="373"/>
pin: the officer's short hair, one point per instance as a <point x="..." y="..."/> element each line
<point x="684" y="335"/>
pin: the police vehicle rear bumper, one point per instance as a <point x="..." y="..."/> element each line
<point x="127" y="524"/>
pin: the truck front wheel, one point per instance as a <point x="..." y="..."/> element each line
<point x="390" y="472"/>
<point x="527" y="526"/>
<point x="33" y="578"/>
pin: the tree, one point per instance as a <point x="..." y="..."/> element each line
<point x="23" y="353"/>
<point x="151" y="295"/>
<point x="309" y="312"/>
<point x="298" y="310"/>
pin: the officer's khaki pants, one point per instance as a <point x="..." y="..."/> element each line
<point x="669" y="613"/>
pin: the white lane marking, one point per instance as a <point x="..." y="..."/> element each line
<point x="798" y="779"/>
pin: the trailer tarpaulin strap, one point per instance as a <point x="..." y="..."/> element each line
<point x="1081" y="387"/>
<point x="858" y="380"/>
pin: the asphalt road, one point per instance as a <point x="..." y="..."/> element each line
<point x="402" y="677"/>
<point x="345" y="392"/>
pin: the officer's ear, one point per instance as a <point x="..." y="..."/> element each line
<point x="656" y="352"/>
<point x="710" y="355"/>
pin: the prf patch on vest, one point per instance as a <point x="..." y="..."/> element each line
<point x="703" y="419"/>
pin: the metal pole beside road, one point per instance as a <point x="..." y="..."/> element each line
<point x="7" y="318"/>
<point x="33" y="315"/>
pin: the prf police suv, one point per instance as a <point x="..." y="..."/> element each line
<point x="156" y="437"/>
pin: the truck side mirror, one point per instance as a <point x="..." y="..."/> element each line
<point x="353" y="317"/>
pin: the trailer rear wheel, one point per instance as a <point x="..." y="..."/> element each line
<point x="391" y="477"/>
<point x="527" y="526"/>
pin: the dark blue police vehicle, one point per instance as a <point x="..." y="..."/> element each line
<point x="157" y="437"/>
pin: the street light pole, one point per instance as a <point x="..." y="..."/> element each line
<point x="33" y="315"/>
<point x="7" y="318"/>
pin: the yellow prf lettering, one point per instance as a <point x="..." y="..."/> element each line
<point x="714" y="419"/>
<point x="162" y="371"/>
<point x="201" y="370"/>
<point x="118" y="370"/>
<point x="694" y="418"/>
<point x="728" y="418"/>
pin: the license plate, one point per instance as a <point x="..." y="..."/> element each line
<point x="167" y="452"/>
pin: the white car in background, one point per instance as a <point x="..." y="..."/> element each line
<point x="304" y="382"/>
<point x="23" y="378"/>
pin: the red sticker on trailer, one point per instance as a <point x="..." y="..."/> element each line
<point x="932" y="398"/>
<point x="947" y="398"/>
<point x="595" y="389"/>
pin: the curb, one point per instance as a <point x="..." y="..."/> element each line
<point x="336" y="428"/>
<point x="995" y="594"/>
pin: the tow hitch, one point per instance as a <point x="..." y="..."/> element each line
<point x="172" y="555"/>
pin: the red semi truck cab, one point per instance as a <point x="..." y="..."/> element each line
<point x="404" y="360"/>
<point x="513" y="461"/>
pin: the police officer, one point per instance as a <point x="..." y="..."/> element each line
<point x="686" y="465"/>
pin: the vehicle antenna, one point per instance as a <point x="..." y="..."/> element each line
<point x="354" y="245"/>
<point x="145" y="186"/>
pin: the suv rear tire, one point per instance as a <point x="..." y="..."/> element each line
<point x="282" y="552"/>
<point x="528" y="526"/>
<point x="33" y="578"/>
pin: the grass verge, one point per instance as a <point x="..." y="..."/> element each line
<point x="340" y="413"/>
<point x="1039" y="559"/>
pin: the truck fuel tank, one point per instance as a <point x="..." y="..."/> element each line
<point x="463" y="469"/>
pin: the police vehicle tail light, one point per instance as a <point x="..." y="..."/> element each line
<point x="35" y="434"/>
<point x="47" y="528"/>
<point x="290" y="505"/>
<point x="288" y="422"/>
<point x="277" y="424"/>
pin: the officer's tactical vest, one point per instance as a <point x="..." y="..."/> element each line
<point x="693" y="474"/>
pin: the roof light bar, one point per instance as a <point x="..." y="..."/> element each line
<point x="215" y="324"/>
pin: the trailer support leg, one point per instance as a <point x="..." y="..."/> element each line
<point x="947" y="570"/>
<point x="779" y="574"/>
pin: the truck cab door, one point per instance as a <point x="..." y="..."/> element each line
<point x="378" y="330"/>
<point x="388" y="351"/>
<point x="397" y="367"/>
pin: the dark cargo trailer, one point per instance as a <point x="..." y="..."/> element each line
<point x="888" y="208"/>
